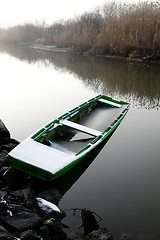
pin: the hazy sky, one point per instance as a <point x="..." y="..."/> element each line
<point x="14" y="12"/>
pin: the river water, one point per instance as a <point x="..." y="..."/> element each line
<point x="122" y="183"/>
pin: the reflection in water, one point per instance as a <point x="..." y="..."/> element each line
<point x="136" y="83"/>
<point x="64" y="183"/>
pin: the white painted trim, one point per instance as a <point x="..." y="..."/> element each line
<point x="109" y="102"/>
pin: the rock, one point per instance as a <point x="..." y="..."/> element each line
<point x="55" y="229"/>
<point x="14" y="209"/>
<point x="51" y="195"/>
<point x="4" y="234"/>
<point x="9" y="144"/>
<point x="46" y="206"/>
<point x="2" y="184"/>
<point x="89" y="221"/>
<point x="3" y="205"/>
<point x="3" y="230"/>
<point x="101" y="234"/>
<point x="3" y="170"/>
<point x="44" y="232"/>
<point x="29" y="195"/>
<point x="48" y="210"/>
<point x="4" y="133"/>
<point x="23" y="197"/>
<point x="15" y="179"/>
<point x="70" y="234"/>
<point x="12" y="198"/>
<point x="21" y="221"/>
<point x="30" y="235"/>
<point x="3" y="160"/>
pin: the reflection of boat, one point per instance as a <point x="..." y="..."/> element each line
<point x="60" y="145"/>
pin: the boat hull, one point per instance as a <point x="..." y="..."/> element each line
<point x="58" y="147"/>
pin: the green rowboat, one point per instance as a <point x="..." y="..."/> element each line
<point x="61" y="144"/>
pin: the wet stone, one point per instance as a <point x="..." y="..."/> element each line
<point x="8" y="144"/>
<point x="4" y="133"/>
<point x="48" y="210"/>
<point x="100" y="234"/>
<point x="15" y="179"/>
<point x="55" y="229"/>
<point x="3" y="170"/>
<point x="70" y="234"/>
<point x="44" y="232"/>
<point x="30" y="235"/>
<point x="3" y="160"/>
<point x="3" y="230"/>
<point x="21" y="221"/>
<point x="51" y="195"/>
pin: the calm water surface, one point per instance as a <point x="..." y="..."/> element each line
<point x="122" y="183"/>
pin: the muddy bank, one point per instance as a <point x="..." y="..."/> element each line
<point x="50" y="48"/>
<point x="132" y="57"/>
<point x="29" y="207"/>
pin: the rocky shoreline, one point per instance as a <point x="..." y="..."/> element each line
<point x="28" y="209"/>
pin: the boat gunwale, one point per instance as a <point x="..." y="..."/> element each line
<point x="71" y="113"/>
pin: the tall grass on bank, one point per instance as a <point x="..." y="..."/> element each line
<point x="128" y="29"/>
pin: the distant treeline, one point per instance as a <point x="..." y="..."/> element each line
<point x="115" y="29"/>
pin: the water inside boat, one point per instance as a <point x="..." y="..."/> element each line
<point x="70" y="141"/>
<point x="74" y="133"/>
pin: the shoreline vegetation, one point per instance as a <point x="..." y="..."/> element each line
<point x="125" y="31"/>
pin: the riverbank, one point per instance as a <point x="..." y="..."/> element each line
<point x="132" y="57"/>
<point x="126" y="30"/>
<point x="28" y="207"/>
